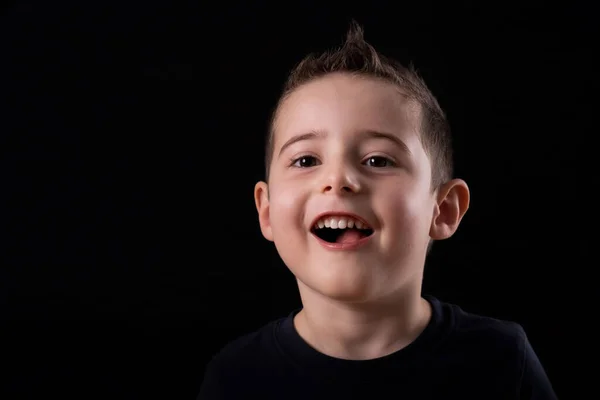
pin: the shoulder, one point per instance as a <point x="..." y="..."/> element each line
<point x="494" y="350"/>
<point x="476" y="329"/>
<point x="485" y="341"/>
<point x="233" y="368"/>
<point x="248" y="347"/>
<point x="506" y="343"/>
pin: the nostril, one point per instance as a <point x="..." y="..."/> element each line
<point x="345" y="189"/>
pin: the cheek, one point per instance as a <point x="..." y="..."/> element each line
<point x="406" y="227"/>
<point x="408" y="210"/>
<point x="286" y="206"/>
<point x="287" y="214"/>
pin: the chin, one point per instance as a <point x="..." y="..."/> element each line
<point x="349" y="297"/>
<point x="339" y="289"/>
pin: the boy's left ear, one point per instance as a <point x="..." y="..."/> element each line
<point x="451" y="205"/>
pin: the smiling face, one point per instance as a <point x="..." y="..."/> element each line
<point x="347" y="149"/>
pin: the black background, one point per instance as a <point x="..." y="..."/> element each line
<point x="132" y="136"/>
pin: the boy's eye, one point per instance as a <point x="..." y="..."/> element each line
<point x="379" y="162"/>
<point x="305" y="162"/>
<point x="375" y="161"/>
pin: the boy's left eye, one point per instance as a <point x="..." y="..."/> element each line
<point x="379" y="162"/>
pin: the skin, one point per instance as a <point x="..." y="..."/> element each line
<point x="363" y="303"/>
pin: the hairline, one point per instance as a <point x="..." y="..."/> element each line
<point x="403" y="90"/>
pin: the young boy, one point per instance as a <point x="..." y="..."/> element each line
<point x="358" y="185"/>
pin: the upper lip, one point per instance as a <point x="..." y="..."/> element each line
<point x="340" y="214"/>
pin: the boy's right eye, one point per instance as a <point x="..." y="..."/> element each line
<point x="304" y="162"/>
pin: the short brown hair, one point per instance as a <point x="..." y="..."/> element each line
<point x="356" y="56"/>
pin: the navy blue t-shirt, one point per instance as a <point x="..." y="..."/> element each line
<point x="458" y="356"/>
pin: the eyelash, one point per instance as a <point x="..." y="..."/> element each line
<point x="296" y="159"/>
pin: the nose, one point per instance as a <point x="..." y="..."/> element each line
<point x="341" y="180"/>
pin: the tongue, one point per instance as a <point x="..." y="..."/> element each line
<point x="349" y="236"/>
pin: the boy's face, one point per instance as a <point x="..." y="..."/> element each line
<point x="344" y="163"/>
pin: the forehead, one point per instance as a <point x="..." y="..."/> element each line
<point x="341" y="104"/>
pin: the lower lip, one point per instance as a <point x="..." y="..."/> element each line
<point x="343" y="246"/>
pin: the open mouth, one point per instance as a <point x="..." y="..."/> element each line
<point x="341" y="230"/>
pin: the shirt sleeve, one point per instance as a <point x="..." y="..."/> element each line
<point x="534" y="383"/>
<point x="212" y="385"/>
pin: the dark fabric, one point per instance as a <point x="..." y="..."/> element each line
<point x="458" y="356"/>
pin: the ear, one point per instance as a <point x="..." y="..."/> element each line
<point x="451" y="205"/>
<point x="261" y="198"/>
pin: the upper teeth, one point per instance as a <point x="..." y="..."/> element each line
<point x="339" y="222"/>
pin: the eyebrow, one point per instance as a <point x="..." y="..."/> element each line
<point x="368" y="133"/>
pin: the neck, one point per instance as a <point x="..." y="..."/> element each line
<point x="361" y="331"/>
